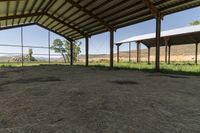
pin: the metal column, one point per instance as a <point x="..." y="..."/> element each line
<point x="129" y="52"/>
<point x="111" y="48"/>
<point x="169" y="54"/>
<point x="166" y="45"/>
<point x="149" y="53"/>
<point x="138" y="52"/>
<point x="49" y="47"/>
<point x="196" y="54"/>
<point x="158" y="30"/>
<point x="22" y="47"/>
<point x="86" y="51"/>
<point x="118" y="53"/>
<point x="71" y="53"/>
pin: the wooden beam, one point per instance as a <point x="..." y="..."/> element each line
<point x="85" y="10"/>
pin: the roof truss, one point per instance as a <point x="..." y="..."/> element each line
<point x="76" y="19"/>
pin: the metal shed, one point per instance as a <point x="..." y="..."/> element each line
<point x="179" y="36"/>
<point x="76" y="19"/>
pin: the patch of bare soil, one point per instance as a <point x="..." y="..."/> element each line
<point x="63" y="99"/>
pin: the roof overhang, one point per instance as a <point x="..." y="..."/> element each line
<point x="77" y="19"/>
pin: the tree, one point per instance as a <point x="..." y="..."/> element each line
<point x="196" y="22"/>
<point x="63" y="47"/>
<point x="30" y="53"/>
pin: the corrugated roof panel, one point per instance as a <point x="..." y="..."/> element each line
<point x="94" y="16"/>
<point x="180" y="36"/>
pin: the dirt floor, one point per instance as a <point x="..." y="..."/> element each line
<point x="64" y="99"/>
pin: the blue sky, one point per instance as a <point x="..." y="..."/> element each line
<point x="99" y="44"/>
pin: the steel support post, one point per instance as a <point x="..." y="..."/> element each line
<point x="86" y="51"/>
<point x="111" y="48"/>
<point x="158" y="32"/>
<point x="22" y="46"/>
<point x="149" y="54"/>
<point x="71" y="53"/>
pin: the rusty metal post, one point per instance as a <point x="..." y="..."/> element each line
<point x="111" y="48"/>
<point x="71" y="53"/>
<point x="166" y="45"/>
<point x="196" y="54"/>
<point x="138" y="52"/>
<point x="22" y="47"/>
<point x="169" y="54"/>
<point x="118" y="53"/>
<point x="158" y="33"/>
<point x="149" y="53"/>
<point x="49" y="47"/>
<point x="129" y="52"/>
<point x="86" y="51"/>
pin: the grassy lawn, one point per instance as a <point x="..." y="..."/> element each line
<point x="176" y="67"/>
<point x="188" y="68"/>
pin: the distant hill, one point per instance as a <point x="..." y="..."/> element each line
<point x="178" y="53"/>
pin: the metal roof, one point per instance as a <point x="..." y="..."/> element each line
<point x="75" y="19"/>
<point x="184" y="35"/>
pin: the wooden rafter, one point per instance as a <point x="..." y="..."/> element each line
<point x="85" y="10"/>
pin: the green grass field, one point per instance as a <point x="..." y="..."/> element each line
<point x="175" y="68"/>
